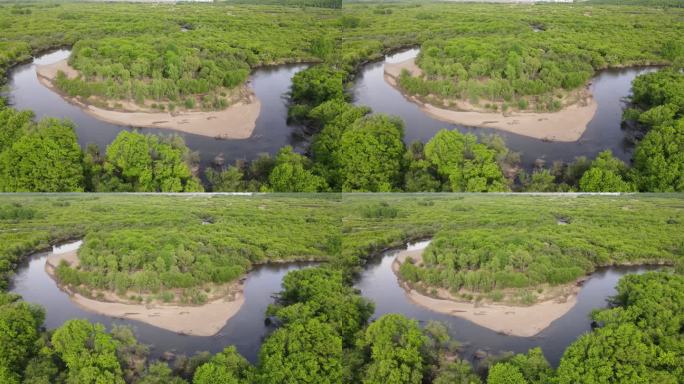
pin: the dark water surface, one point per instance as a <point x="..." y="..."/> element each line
<point x="271" y="85"/>
<point x="246" y="330"/>
<point x="379" y="284"/>
<point x="609" y="87"/>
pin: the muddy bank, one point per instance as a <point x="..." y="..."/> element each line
<point x="235" y="122"/>
<point x="523" y="321"/>
<point x="566" y="125"/>
<point x="203" y="320"/>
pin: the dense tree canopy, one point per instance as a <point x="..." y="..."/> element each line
<point x="371" y="154"/>
<point x="467" y="165"/>
<point x="46" y="158"/>
<point x="395" y="345"/>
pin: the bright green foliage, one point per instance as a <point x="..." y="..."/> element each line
<point x="335" y="116"/>
<point x="505" y="373"/>
<point x="13" y="125"/>
<point x="170" y="240"/>
<point x="88" y="352"/>
<point x="606" y="174"/>
<point x="148" y="67"/>
<point x="227" y="367"/>
<point x="467" y="165"/>
<point x="394" y="345"/>
<point x="309" y="352"/>
<point x="530" y="60"/>
<point x="147" y="163"/>
<point x="20" y="325"/>
<point x="533" y="366"/>
<point x="662" y="88"/>
<point x="371" y="154"/>
<point x="46" y="158"/>
<point x="640" y="340"/>
<point x="659" y="159"/>
<point x="292" y="174"/>
<point x="317" y="85"/>
<point x="483" y="243"/>
<point x="322" y="294"/>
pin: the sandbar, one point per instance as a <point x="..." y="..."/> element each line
<point x="523" y="321"/>
<point x="235" y="122"/>
<point x="202" y="320"/>
<point x="566" y="125"/>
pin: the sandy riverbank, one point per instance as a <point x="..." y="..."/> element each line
<point x="524" y="321"/>
<point x="566" y="125"/>
<point x="202" y="320"/>
<point x="235" y="122"/>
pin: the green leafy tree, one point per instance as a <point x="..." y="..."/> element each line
<point x="19" y="331"/>
<point x="146" y="163"/>
<point x="292" y="174"/>
<point x="13" y="125"/>
<point x="371" y="154"/>
<point x="505" y="373"/>
<point x="46" y="159"/>
<point x="226" y="367"/>
<point x="318" y="84"/>
<point x="468" y="166"/>
<point x="659" y="159"/>
<point x="308" y="352"/>
<point x="88" y="352"/>
<point x="394" y="345"/>
<point x="335" y="116"/>
<point x="606" y="174"/>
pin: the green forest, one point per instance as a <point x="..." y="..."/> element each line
<point x="325" y="331"/>
<point x="188" y="56"/>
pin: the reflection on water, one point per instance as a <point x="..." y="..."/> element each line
<point x="609" y="87"/>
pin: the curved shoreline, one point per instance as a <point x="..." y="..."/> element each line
<point x="566" y="125"/>
<point x="235" y="122"/>
<point x="203" y="320"/>
<point x="521" y="321"/>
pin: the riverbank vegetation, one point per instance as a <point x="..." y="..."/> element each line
<point x="170" y="52"/>
<point x="167" y="248"/>
<point x="324" y="332"/>
<point x="517" y="248"/>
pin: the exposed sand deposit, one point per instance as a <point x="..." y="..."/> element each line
<point x="235" y="122"/>
<point x="202" y="320"/>
<point x="524" y="321"/>
<point x="566" y="125"/>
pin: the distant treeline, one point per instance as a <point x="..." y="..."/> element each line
<point x="665" y="3"/>
<point x="336" y="4"/>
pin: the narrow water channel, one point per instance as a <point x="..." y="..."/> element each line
<point x="271" y="85"/>
<point x="379" y="284"/>
<point x="245" y="330"/>
<point x="609" y="87"/>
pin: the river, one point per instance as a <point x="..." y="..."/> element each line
<point x="272" y="84"/>
<point x="609" y="88"/>
<point x="246" y="330"/>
